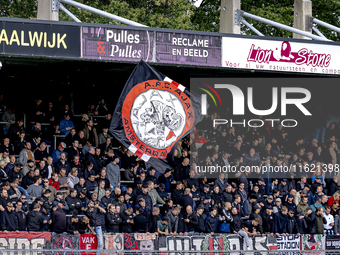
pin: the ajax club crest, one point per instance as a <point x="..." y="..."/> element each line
<point x="156" y="114"/>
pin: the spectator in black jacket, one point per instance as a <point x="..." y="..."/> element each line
<point x="227" y="195"/>
<point x="58" y="218"/>
<point x="34" y="219"/>
<point x="14" y="173"/>
<point x="311" y="221"/>
<point x="283" y="187"/>
<point x="252" y="227"/>
<point x="186" y="200"/>
<point x="237" y="226"/>
<point x="84" y="226"/>
<point x="192" y="181"/>
<point x="127" y="221"/>
<point x="27" y="180"/>
<point x="151" y="177"/>
<point x="201" y="217"/>
<point x="72" y="224"/>
<point x="212" y="221"/>
<point x="334" y="185"/>
<point x="154" y="218"/>
<point x="107" y="199"/>
<point x="290" y="203"/>
<point x="113" y="220"/>
<point x="8" y="220"/>
<point x="269" y="220"/>
<point x="139" y="221"/>
<point x="292" y="225"/>
<point x="177" y="193"/>
<point x="190" y="220"/>
<point x="21" y="216"/>
<point x="73" y="202"/>
<point x="46" y="213"/>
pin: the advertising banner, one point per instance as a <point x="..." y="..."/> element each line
<point x="65" y="241"/>
<point x="113" y="242"/>
<point x="332" y="242"/>
<point x="116" y="44"/>
<point x="275" y="55"/>
<point x="25" y="241"/>
<point x="38" y="39"/>
<point x="172" y="244"/>
<point x="313" y="242"/>
<point x="88" y="242"/>
<point x="190" y="49"/>
<point x="261" y="243"/>
<point x="291" y="242"/>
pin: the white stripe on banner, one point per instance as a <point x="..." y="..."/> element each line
<point x="145" y="157"/>
<point x="181" y="87"/>
<point x="132" y="148"/>
<point x="167" y="79"/>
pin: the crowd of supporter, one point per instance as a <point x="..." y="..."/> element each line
<point x="87" y="185"/>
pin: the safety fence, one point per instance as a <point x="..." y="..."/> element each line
<point x="47" y="243"/>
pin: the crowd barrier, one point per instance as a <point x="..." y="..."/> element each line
<point x="164" y="245"/>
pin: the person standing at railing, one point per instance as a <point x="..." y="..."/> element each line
<point x="94" y="214"/>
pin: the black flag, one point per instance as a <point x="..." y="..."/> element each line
<point x="152" y="114"/>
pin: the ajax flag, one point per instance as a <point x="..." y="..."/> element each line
<point x="152" y="114"/>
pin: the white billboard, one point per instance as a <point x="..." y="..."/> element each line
<point x="282" y="56"/>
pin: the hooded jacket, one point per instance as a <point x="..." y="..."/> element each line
<point x="8" y="221"/>
<point x="34" y="221"/>
<point x="58" y="218"/>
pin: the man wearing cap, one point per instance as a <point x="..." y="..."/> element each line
<point x="283" y="187"/>
<point x="56" y="153"/>
<point x="268" y="201"/>
<point x="162" y="193"/>
<point x="66" y="125"/>
<point x="290" y="203"/>
<point x="292" y="225"/>
<point x="269" y="218"/>
<point x="308" y="193"/>
<point x="310" y="218"/>
<point x="26" y="154"/>
<point x="256" y="214"/>
<point x="278" y="205"/>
